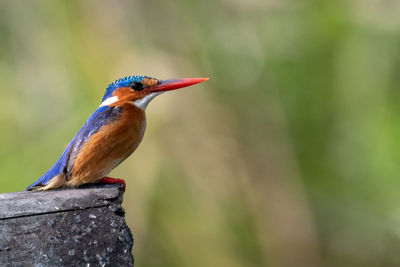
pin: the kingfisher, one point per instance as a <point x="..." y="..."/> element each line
<point x="110" y="135"/>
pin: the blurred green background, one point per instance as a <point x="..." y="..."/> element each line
<point x="289" y="154"/>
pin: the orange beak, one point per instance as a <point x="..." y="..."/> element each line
<point x="168" y="85"/>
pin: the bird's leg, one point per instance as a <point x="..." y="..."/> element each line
<point x="109" y="180"/>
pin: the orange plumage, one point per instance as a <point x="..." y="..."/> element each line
<point x="109" y="147"/>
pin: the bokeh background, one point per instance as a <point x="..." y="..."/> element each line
<point x="288" y="156"/>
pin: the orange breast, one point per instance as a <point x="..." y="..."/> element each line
<point x="109" y="147"/>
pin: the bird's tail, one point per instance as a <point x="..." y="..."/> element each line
<point x="57" y="169"/>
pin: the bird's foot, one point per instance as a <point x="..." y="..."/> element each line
<point x="109" y="180"/>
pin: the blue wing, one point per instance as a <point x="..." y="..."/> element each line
<point x="102" y="116"/>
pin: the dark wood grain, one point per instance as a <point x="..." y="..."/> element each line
<point x="65" y="227"/>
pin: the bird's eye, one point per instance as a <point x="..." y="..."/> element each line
<point x="137" y="86"/>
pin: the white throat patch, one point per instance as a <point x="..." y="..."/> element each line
<point x="143" y="102"/>
<point x="109" y="101"/>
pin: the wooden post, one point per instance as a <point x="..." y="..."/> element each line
<point x="65" y="227"/>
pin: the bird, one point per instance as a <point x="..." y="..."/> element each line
<point x="112" y="133"/>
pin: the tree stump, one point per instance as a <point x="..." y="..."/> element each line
<point x="66" y="227"/>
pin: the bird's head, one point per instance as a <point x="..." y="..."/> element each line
<point x="142" y="89"/>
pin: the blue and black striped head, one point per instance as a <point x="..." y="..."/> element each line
<point x="135" y="82"/>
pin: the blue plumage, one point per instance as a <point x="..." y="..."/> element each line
<point x="101" y="117"/>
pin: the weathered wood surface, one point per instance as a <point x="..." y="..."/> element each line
<point x="66" y="227"/>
